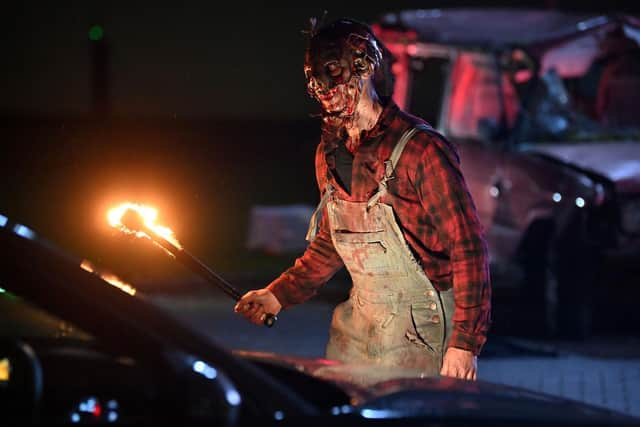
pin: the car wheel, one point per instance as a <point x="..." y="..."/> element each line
<point x="560" y="272"/>
<point x="577" y="265"/>
<point x="539" y="291"/>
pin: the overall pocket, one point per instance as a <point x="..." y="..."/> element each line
<point x="428" y="324"/>
<point x="375" y="309"/>
<point x="367" y="254"/>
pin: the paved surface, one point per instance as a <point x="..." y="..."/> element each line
<point x="565" y="369"/>
<point x="612" y="383"/>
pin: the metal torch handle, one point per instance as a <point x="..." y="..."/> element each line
<point x="198" y="267"/>
<point x="269" y="320"/>
<point x="202" y="270"/>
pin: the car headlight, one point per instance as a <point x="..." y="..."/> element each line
<point x="630" y="215"/>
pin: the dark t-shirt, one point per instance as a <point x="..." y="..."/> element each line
<point x="344" y="167"/>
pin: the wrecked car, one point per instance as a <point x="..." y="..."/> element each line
<point x="543" y="107"/>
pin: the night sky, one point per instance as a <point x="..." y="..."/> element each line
<point x="176" y="59"/>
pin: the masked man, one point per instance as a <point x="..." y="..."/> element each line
<point x="396" y="212"/>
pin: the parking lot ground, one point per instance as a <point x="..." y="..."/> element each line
<point x="603" y="371"/>
<point x="611" y="383"/>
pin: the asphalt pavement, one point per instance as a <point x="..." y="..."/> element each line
<point x="603" y="371"/>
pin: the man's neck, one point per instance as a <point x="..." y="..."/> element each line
<point x="365" y="118"/>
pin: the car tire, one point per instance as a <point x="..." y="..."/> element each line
<point x="560" y="271"/>
<point x="539" y="288"/>
<point x="577" y="265"/>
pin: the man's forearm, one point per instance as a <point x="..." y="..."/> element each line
<point x="466" y="338"/>
<point x="309" y="273"/>
<point x="472" y="296"/>
<point x="471" y="317"/>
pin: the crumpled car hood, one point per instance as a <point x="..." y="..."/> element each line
<point x="617" y="161"/>
<point x="374" y="395"/>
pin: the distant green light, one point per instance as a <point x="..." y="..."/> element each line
<point x="96" y="33"/>
<point x="6" y="294"/>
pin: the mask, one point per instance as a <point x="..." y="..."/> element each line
<point x="339" y="59"/>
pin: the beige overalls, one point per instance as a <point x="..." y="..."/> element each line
<point x="394" y="315"/>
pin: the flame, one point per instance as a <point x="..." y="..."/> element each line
<point x="109" y="278"/>
<point x="148" y="215"/>
<point x="5" y="370"/>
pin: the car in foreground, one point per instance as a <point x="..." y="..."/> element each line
<point x="79" y="345"/>
<point x="543" y="106"/>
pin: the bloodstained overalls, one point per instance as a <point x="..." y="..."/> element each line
<point x="394" y="315"/>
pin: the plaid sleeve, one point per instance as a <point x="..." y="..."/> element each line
<point x="317" y="265"/>
<point x="310" y="272"/>
<point x="444" y="195"/>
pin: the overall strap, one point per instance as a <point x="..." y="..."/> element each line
<point x="314" y="224"/>
<point x="390" y="164"/>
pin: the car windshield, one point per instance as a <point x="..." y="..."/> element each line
<point x="587" y="90"/>
<point x="21" y="319"/>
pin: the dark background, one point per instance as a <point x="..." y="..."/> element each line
<point x="192" y="59"/>
<point x="198" y="108"/>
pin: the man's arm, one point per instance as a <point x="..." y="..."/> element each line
<point x="297" y="284"/>
<point x="320" y="260"/>
<point x="310" y="272"/>
<point x="443" y="192"/>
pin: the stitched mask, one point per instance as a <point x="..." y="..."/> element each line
<point x="339" y="57"/>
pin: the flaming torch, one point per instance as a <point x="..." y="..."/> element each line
<point x="139" y="220"/>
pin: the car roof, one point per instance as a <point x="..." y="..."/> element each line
<point x="498" y="27"/>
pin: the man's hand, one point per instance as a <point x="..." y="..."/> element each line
<point x="459" y="363"/>
<point x="255" y="305"/>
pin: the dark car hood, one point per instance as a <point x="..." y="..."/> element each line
<point x="410" y="395"/>
<point x="617" y="161"/>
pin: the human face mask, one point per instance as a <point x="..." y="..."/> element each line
<point x="338" y="61"/>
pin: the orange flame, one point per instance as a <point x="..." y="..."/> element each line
<point x="109" y="278"/>
<point x="5" y="370"/>
<point x="148" y="215"/>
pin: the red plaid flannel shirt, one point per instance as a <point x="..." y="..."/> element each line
<point x="435" y="212"/>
